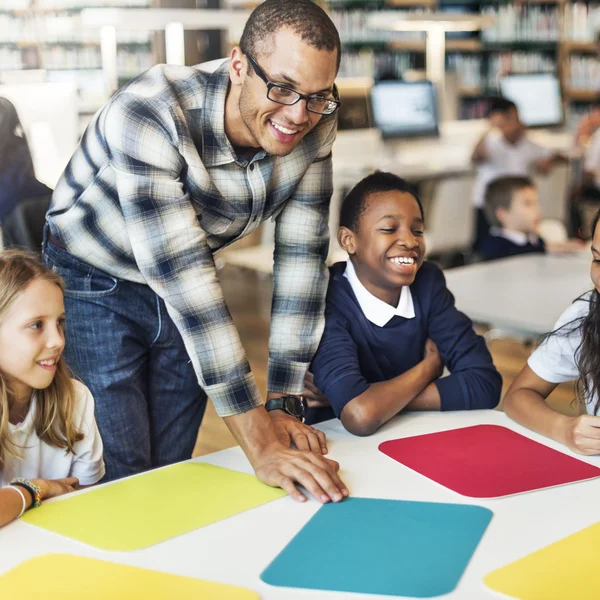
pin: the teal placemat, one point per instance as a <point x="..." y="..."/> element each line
<point x="371" y="546"/>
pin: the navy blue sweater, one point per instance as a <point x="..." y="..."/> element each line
<point x="355" y="353"/>
<point x="496" y="246"/>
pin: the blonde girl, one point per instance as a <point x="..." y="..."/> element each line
<point x="49" y="441"/>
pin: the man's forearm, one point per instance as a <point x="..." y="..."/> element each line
<point x="253" y="430"/>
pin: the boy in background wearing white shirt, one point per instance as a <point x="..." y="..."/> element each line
<point x="504" y="150"/>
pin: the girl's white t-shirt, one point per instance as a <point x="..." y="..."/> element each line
<point x="41" y="461"/>
<point x="554" y="360"/>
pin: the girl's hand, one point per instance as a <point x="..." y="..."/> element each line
<point x="313" y="395"/>
<point x="50" y="488"/>
<point x="582" y="434"/>
<point x="433" y="358"/>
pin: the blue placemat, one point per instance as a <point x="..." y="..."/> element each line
<point x="372" y="546"/>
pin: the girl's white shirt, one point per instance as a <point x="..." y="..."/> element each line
<point x="555" y="359"/>
<point x="41" y="461"/>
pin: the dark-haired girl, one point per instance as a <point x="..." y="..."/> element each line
<point x="571" y="352"/>
<point x="17" y="176"/>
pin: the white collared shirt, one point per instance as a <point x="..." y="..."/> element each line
<point x="517" y="237"/>
<point x="376" y="310"/>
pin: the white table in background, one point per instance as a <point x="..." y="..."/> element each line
<point x="236" y="550"/>
<point x="525" y="293"/>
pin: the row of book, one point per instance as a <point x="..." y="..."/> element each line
<point x="522" y="22"/>
<point x="581" y="21"/>
<point x="58" y="28"/>
<point x="584" y="72"/>
<point x="354" y="27"/>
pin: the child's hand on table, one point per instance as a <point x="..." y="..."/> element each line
<point x="582" y="434"/>
<point x="312" y="394"/>
<point x="51" y="488"/>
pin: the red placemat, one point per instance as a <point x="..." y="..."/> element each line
<point x="487" y="461"/>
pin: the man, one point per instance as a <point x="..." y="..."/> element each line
<point x="180" y="163"/>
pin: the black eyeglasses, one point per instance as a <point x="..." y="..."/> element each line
<point x="288" y="96"/>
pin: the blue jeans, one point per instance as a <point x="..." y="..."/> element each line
<point x="121" y="342"/>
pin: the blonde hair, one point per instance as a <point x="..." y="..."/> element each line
<point x="53" y="419"/>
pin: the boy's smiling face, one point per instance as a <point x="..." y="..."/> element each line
<point x="388" y="247"/>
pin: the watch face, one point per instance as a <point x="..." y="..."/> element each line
<point x="294" y="406"/>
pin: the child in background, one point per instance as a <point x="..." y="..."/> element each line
<point x="390" y="321"/>
<point x="17" y="176"/>
<point x="571" y="352"/>
<point x="49" y="441"/>
<point x="504" y="150"/>
<point x="512" y="208"/>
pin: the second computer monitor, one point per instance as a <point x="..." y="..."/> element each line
<point x="404" y="108"/>
<point x="537" y="97"/>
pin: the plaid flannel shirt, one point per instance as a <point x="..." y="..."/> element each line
<point x="155" y="188"/>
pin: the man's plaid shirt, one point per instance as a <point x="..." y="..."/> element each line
<point x="155" y="188"/>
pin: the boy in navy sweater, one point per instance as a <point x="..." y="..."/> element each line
<point x="390" y="322"/>
<point x="513" y="210"/>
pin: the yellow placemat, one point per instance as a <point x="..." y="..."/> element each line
<point x="153" y="507"/>
<point x="566" y="569"/>
<point x="66" y="577"/>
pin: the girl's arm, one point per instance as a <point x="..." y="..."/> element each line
<point x="11" y="501"/>
<point x="525" y="403"/>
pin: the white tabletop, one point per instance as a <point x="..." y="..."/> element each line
<point x="524" y="293"/>
<point x="238" y="549"/>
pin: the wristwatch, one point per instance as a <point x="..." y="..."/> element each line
<point x="292" y="405"/>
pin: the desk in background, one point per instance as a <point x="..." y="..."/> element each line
<point x="236" y="550"/>
<point x="524" y="294"/>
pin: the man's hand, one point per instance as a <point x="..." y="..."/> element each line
<point x="278" y="465"/>
<point x="283" y="467"/>
<point x="312" y="394"/>
<point x="289" y="429"/>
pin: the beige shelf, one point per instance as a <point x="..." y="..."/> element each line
<point x="412" y="2"/>
<point x="408" y="45"/>
<point x="463" y="45"/>
<point x="571" y="46"/>
<point x="469" y="92"/>
<point x="582" y="95"/>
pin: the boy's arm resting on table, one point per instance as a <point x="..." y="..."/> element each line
<point x="474" y="382"/>
<point x="525" y="403"/>
<point x="173" y="255"/>
<point x="383" y="400"/>
<point x="363" y="407"/>
<point x="11" y="502"/>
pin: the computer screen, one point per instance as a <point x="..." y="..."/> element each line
<point x="404" y="108"/>
<point x="537" y="97"/>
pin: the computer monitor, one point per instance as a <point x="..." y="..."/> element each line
<point x="404" y="108"/>
<point x="537" y="97"/>
<point x="49" y="115"/>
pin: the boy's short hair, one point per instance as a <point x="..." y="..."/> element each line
<point x="500" y="193"/>
<point x="355" y="202"/>
<point x="304" y="17"/>
<point x="501" y="105"/>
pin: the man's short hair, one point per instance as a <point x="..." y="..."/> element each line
<point x="305" y="18"/>
<point x="500" y="194"/>
<point x="501" y="105"/>
<point x="355" y="203"/>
